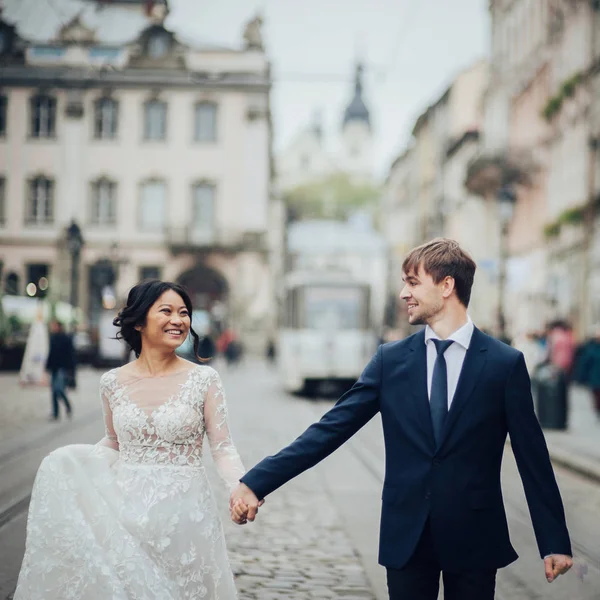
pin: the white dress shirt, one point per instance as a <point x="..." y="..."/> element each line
<point x="455" y="356"/>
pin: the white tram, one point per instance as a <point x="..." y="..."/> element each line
<point x="326" y="334"/>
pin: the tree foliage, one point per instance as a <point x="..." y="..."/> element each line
<point x="335" y="196"/>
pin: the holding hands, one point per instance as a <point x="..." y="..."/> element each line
<point x="243" y="504"/>
<point x="557" y="564"/>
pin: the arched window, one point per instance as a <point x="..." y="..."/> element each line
<point x="106" y="118"/>
<point x="104" y="202"/>
<point x="158" y="45"/>
<point x="155" y="120"/>
<point x="43" y="116"/>
<point x="203" y="212"/>
<point x="205" y="122"/>
<point x="153" y="203"/>
<point x="40" y="207"/>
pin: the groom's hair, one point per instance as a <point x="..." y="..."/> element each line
<point x="441" y="258"/>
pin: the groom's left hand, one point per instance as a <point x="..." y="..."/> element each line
<point x="557" y="564"/>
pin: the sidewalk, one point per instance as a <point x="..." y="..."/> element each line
<point x="578" y="448"/>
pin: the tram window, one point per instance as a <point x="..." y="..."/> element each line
<point x="342" y="307"/>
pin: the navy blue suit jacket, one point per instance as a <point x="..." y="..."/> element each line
<point x="456" y="485"/>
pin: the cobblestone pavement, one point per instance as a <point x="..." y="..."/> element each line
<point x="297" y="549"/>
<point x="299" y="546"/>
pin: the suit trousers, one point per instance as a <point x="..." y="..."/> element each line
<point x="419" y="579"/>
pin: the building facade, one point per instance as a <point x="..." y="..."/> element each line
<point x="540" y="131"/>
<point x="425" y="195"/>
<point x="571" y="113"/>
<point x="400" y="227"/>
<point x="159" y="150"/>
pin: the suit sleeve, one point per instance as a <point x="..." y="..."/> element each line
<point x="535" y="468"/>
<point x="352" y="411"/>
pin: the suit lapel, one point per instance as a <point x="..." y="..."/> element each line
<point x="417" y="367"/>
<point x="475" y="359"/>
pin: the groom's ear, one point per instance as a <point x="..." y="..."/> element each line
<point x="449" y="286"/>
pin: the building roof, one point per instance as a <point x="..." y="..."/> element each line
<point x="41" y="21"/>
<point x="357" y="110"/>
<point x="114" y="22"/>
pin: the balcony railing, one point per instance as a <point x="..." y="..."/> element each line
<point x="189" y="236"/>
<point x="192" y="238"/>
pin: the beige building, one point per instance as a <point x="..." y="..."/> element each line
<point x="159" y="150"/>
<point x="571" y="111"/>
<point x="400" y="228"/>
<point x="538" y="138"/>
<point x="470" y="219"/>
<point x="425" y="195"/>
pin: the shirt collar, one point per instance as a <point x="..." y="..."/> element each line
<point x="461" y="336"/>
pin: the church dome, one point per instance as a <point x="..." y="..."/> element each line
<point x="357" y="110"/>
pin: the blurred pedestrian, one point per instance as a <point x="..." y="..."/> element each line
<point x="229" y="346"/>
<point x="587" y="367"/>
<point x="60" y="362"/>
<point x="234" y="352"/>
<point x="36" y="353"/>
<point x="561" y="347"/>
<point x="533" y="353"/>
<point x="224" y="339"/>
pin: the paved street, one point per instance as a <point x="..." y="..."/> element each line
<point x="316" y="537"/>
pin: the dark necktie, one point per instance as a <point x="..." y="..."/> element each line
<point x="438" y="402"/>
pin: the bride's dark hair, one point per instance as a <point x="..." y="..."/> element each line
<point x="141" y="297"/>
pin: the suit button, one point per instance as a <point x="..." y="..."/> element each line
<point x="437" y="462"/>
<point x="427" y="495"/>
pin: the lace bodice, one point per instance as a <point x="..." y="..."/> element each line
<point x="162" y="420"/>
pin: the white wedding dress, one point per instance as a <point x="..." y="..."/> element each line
<point x="133" y="517"/>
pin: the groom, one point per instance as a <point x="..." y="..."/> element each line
<point x="448" y="397"/>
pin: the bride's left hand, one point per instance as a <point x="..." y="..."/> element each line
<point x="239" y="512"/>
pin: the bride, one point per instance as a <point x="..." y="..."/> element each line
<point x="133" y="517"/>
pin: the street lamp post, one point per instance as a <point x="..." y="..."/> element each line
<point x="74" y="245"/>
<point x="506" y="203"/>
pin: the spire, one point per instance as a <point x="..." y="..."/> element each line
<point x="356" y="110"/>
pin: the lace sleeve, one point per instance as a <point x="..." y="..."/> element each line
<point x="223" y="450"/>
<point x="110" y="437"/>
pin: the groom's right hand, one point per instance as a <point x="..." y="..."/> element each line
<point x="244" y="494"/>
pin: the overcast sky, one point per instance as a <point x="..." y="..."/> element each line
<point x="411" y="48"/>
